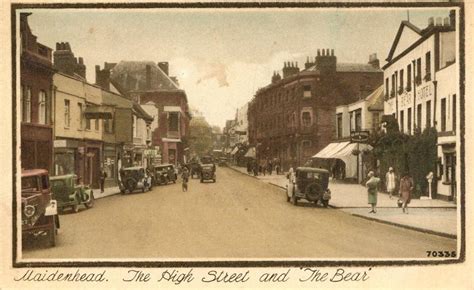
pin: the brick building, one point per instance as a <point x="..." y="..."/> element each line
<point x="36" y="77"/>
<point x="292" y="118"/>
<point x="150" y="85"/>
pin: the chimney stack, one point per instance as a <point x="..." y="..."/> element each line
<point x="374" y="61"/>
<point x="326" y="63"/>
<point x="102" y="77"/>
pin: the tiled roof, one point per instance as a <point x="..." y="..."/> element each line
<point x="131" y="75"/>
<point x="350" y="67"/>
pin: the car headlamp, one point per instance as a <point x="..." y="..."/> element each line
<point x="29" y="211"/>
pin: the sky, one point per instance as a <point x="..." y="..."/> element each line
<point x="222" y="56"/>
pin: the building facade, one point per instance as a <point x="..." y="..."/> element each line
<point x="422" y="90"/>
<point x="35" y="98"/>
<point x="292" y="118"/>
<point x="149" y="84"/>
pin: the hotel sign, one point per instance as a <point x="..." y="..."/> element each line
<point x="425" y="92"/>
<point x="359" y="136"/>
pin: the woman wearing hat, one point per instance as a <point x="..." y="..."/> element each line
<point x="372" y="188"/>
<point x="390" y="181"/>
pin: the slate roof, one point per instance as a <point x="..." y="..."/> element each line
<point x="349" y="67"/>
<point x="131" y="75"/>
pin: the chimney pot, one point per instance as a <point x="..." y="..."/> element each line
<point x="332" y="52"/>
<point x="446" y="21"/>
<point x="439" y="21"/>
<point x="430" y="21"/>
<point x="327" y="51"/>
<point x="81" y="60"/>
<point x="97" y="68"/>
<point x="319" y="52"/>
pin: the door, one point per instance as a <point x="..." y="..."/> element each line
<point x="453" y="178"/>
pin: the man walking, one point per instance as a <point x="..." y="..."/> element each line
<point x="390" y="181"/>
<point x="103" y="176"/>
<point x="185" y="177"/>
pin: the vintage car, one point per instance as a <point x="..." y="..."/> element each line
<point x="68" y="193"/>
<point x="39" y="216"/>
<point x="222" y="161"/>
<point x="208" y="172"/>
<point x="194" y="169"/>
<point x="163" y="174"/>
<point x="310" y="184"/>
<point x="134" y="178"/>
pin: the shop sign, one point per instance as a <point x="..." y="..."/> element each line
<point x="60" y="143"/>
<point x="150" y="152"/>
<point x="359" y="136"/>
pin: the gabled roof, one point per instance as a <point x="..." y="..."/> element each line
<point x="399" y="34"/>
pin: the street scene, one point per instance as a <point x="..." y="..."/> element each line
<point x="144" y="139"/>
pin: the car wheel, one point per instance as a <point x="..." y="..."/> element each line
<point x="325" y="203"/>
<point x="90" y="203"/>
<point x="75" y="208"/>
<point x="202" y="180"/>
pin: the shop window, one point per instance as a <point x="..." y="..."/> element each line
<point x="443" y="115"/>
<point x="449" y="162"/>
<point x="67" y="113"/>
<point x="42" y="108"/>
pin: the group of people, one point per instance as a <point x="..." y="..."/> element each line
<point x="264" y="167"/>
<point x="405" y="188"/>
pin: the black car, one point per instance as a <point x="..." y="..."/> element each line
<point x="310" y="184"/>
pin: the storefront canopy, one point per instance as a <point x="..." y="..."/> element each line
<point x="251" y="153"/>
<point x="98" y="112"/>
<point x="330" y="150"/>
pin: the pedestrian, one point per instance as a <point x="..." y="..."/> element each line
<point x="372" y="187"/>
<point x="390" y="181"/>
<point x="406" y="188"/>
<point x="255" y="168"/>
<point x="185" y="177"/>
<point x="103" y="176"/>
<point x="249" y="167"/>
<point x="270" y="167"/>
<point x="291" y="175"/>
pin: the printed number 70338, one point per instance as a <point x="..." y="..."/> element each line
<point x="441" y="254"/>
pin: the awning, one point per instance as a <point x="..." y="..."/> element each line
<point x="347" y="150"/>
<point x="331" y="149"/>
<point x="171" y="140"/>
<point x="98" y="112"/>
<point x="251" y="153"/>
<point x="236" y="149"/>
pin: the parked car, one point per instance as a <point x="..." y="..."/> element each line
<point x="194" y="169"/>
<point x="163" y="174"/>
<point x="310" y="184"/>
<point x="134" y="178"/>
<point x="39" y="215"/>
<point x="69" y="193"/>
<point x="208" y="172"/>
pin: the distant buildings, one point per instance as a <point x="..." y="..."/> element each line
<point x="422" y="90"/>
<point x="149" y="84"/>
<point x="291" y="119"/>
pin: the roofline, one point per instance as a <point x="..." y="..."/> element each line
<point x="428" y="34"/>
<point x="399" y="34"/>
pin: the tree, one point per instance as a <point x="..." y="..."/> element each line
<point x="200" y="136"/>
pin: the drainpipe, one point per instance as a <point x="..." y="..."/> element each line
<point x="414" y="94"/>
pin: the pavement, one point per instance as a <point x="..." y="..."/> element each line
<point x="238" y="217"/>
<point x="108" y="191"/>
<point x="426" y="215"/>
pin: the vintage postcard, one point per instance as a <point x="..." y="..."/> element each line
<point x="254" y="145"/>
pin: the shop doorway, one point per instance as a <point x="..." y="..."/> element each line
<point x="92" y="167"/>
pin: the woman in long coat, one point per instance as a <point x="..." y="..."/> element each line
<point x="406" y="188"/>
<point x="372" y="188"/>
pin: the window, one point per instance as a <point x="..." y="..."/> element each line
<point x="358" y="120"/>
<point x="26" y="109"/>
<point x="67" y="113"/>
<point x="450" y="164"/>
<point x="375" y="121"/>
<point x="387" y="91"/>
<point x="306" y="91"/>
<point x="351" y="121"/>
<point x="42" y="108"/>
<point x="109" y="125"/>
<point x="400" y="89"/>
<point x="134" y="126"/>
<point x="409" y="121"/>
<point x="454" y="113"/>
<point x="443" y="115"/>
<point x="418" y="70"/>
<point x="402" y="123"/>
<point x="173" y="121"/>
<point x="339" y="125"/>
<point x="306" y="118"/>
<point x="88" y="124"/>
<point x="306" y="143"/>
<point x="392" y="91"/>
<point x="418" y="116"/>
<point x="97" y="124"/>
<point x="428" y="66"/>
<point x="409" y="78"/>
<point x="428" y="114"/>
<point x="80" y="117"/>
